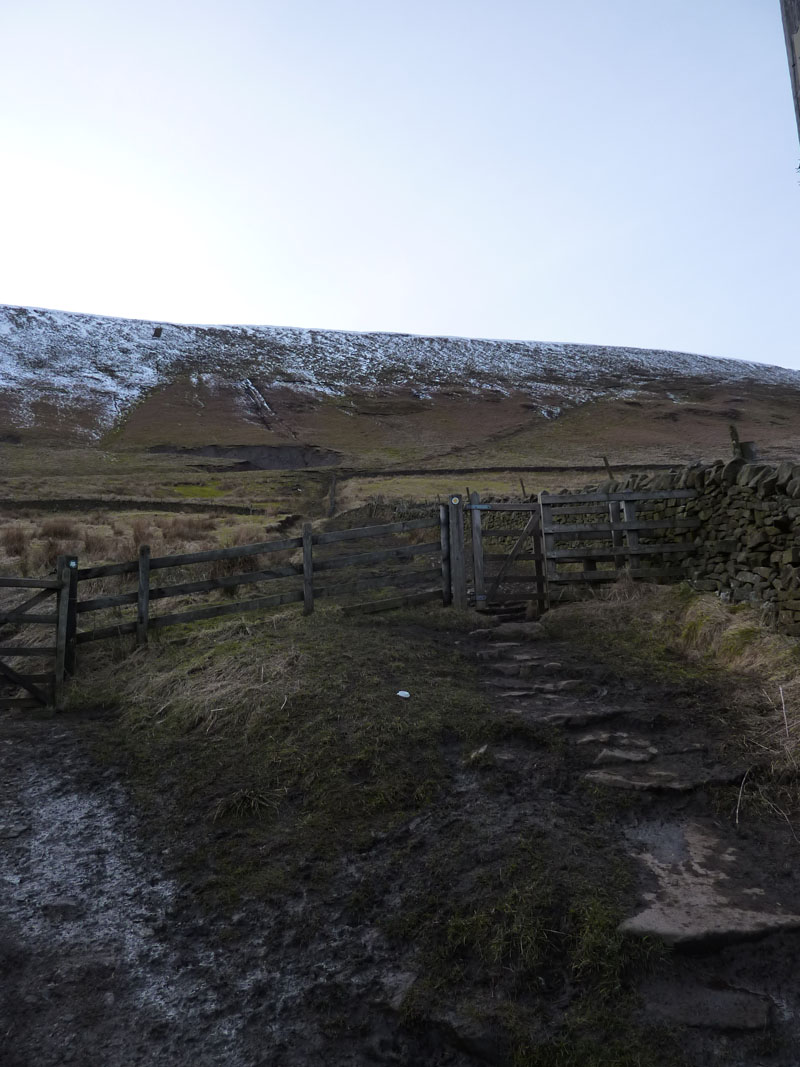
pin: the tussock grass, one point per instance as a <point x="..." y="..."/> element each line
<point x="672" y="634"/>
<point x="301" y="711"/>
<point x="59" y="527"/>
<point x="15" y="539"/>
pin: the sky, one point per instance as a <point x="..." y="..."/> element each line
<point x="620" y="173"/>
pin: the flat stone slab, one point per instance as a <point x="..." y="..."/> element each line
<point x="692" y="1004"/>
<point x="626" y="755"/>
<point x="659" y="777"/>
<point x="698" y="900"/>
<point x="528" y="631"/>
<point x="575" y="715"/>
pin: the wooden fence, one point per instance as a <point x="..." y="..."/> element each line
<point x="562" y="538"/>
<point x="568" y="519"/>
<point x="297" y="581"/>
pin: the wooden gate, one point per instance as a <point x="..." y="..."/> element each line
<point x="40" y="688"/>
<point x="594" y="537"/>
<point x="504" y="560"/>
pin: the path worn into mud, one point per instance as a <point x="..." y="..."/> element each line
<point x="106" y="960"/>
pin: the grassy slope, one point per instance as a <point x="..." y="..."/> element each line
<point x="272" y="751"/>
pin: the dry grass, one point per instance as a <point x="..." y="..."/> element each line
<point x="59" y="527"/>
<point x="671" y="632"/>
<point x="15" y="540"/>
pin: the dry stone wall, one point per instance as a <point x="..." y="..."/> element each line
<point x="747" y="547"/>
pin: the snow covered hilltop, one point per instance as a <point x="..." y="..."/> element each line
<point x="63" y="372"/>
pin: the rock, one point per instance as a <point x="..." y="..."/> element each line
<point x="692" y="1004"/>
<point x="697" y="902"/>
<point x="625" y="755"/>
<point x="11" y="830"/>
<point x="657" y="778"/>
<point x="529" y="631"/>
<point x="68" y="909"/>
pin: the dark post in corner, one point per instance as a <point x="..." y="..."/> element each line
<point x="308" y="570"/>
<point x="143" y="599"/>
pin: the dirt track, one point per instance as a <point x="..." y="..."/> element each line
<point x="106" y="961"/>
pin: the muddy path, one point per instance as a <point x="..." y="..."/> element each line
<point x="108" y="958"/>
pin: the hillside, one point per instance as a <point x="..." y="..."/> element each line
<point x="374" y="399"/>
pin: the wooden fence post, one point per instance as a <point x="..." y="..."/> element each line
<point x="458" y="565"/>
<point x="308" y="570"/>
<point x="548" y="540"/>
<point x="542" y="601"/>
<point x="477" y="550"/>
<point x="72" y="614"/>
<point x="143" y="596"/>
<point x="62" y="610"/>
<point x="444" y="540"/>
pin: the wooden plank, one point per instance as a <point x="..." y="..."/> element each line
<point x="643" y="494"/>
<point x="19" y="680"/>
<point x="19" y="702"/>
<point x="308" y="570"/>
<point x="27" y="619"/>
<point x="237" y="608"/>
<point x="27" y="650"/>
<point x="611" y="527"/>
<point x="458" y="565"/>
<point x="503" y="531"/>
<point x="261" y="548"/>
<point x="26" y="605"/>
<point x="516" y="506"/>
<point x="29" y="583"/>
<point x="62" y="572"/>
<point x="499" y="557"/>
<point x="377" y="582"/>
<point x="614" y="575"/>
<point x="514" y="578"/>
<point x="104" y="632"/>
<point x="444" y="548"/>
<point x="477" y="550"/>
<point x="105" y="570"/>
<point x="391" y="603"/>
<point x="333" y="536"/>
<point x="228" y="581"/>
<point x="101" y="603"/>
<point x="378" y="556"/>
<point x="143" y="595"/>
<point x="610" y="552"/>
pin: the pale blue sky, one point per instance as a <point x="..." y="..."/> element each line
<point x="617" y="173"/>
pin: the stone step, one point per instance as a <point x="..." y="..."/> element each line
<point x="527" y="631"/>
<point x="700" y="901"/>
<point x="661" y="777"/>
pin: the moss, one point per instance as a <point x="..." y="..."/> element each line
<point x="291" y="727"/>
<point x="199" y="491"/>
